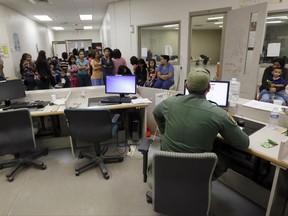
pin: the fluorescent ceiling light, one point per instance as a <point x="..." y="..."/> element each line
<point x="277" y="17"/>
<point x="218" y="23"/>
<point x="86" y="17"/>
<point x="58" y="28"/>
<point x="87" y="27"/>
<point x="43" y="17"/>
<point x="276" y="21"/>
<point x="170" y="26"/>
<point x="215" y="18"/>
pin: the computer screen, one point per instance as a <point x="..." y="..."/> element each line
<point x="219" y="93"/>
<point x="120" y="85"/>
<point x="11" y="89"/>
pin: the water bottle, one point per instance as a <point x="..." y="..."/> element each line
<point x="233" y="95"/>
<point x="274" y="117"/>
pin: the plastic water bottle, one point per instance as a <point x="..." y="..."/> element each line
<point x="274" y="118"/>
<point x="233" y="95"/>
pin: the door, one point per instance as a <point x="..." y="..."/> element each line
<point x="244" y="36"/>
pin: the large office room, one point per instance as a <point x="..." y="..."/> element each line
<point x="208" y="144"/>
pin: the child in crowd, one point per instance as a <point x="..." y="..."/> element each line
<point x="276" y="90"/>
<point x="151" y="73"/>
<point x="141" y="73"/>
<point x="73" y="70"/>
<point x="65" y="81"/>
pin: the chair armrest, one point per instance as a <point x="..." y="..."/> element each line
<point x="144" y="146"/>
<point x="115" y="118"/>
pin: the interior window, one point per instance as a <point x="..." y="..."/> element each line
<point x="156" y="40"/>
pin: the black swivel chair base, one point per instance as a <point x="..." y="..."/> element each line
<point x="95" y="160"/>
<point x="23" y="159"/>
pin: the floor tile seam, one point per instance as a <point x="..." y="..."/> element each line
<point x="20" y="191"/>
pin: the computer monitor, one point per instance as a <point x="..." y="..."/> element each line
<point x="120" y="85"/>
<point x="218" y="94"/>
<point x="11" y="89"/>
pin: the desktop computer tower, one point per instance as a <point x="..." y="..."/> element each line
<point x="134" y="127"/>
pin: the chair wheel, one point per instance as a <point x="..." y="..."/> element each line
<point x="106" y="176"/>
<point x="77" y="173"/>
<point x="80" y="155"/>
<point x="121" y="159"/>
<point x="44" y="167"/>
<point x="10" y="179"/>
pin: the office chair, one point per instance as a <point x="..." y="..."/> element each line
<point x="181" y="182"/>
<point x="93" y="126"/>
<point x="17" y="138"/>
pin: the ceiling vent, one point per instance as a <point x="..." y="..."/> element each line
<point x="40" y="1"/>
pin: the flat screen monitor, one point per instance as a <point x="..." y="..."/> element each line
<point x="11" y="89"/>
<point x="120" y="85"/>
<point x="218" y="94"/>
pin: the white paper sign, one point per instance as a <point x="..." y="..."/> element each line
<point x="273" y="49"/>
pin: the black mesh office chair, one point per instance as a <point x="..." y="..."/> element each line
<point x="17" y="138"/>
<point x="93" y="126"/>
<point x="181" y="182"/>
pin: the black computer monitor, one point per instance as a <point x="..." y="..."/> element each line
<point x="120" y="85"/>
<point x="11" y="89"/>
<point x="218" y="94"/>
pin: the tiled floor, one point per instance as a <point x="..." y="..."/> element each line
<point x="57" y="191"/>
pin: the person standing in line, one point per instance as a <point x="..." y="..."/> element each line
<point x="83" y="66"/>
<point x="30" y="72"/>
<point x="2" y="77"/>
<point x="43" y="69"/>
<point x="73" y="70"/>
<point x="190" y="123"/>
<point x="97" y="73"/>
<point x="23" y="58"/>
<point x="141" y="73"/>
<point x="165" y="74"/>
<point x="65" y="81"/>
<point x="117" y="60"/>
<point x="107" y="63"/>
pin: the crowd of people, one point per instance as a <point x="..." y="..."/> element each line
<point x="89" y="68"/>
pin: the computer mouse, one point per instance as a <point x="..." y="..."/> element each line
<point x="241" y="122"/>
<point x="134" y="97"/>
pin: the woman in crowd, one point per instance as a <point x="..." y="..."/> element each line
<point x="107" y="63"/>
<point x="141" y="73"/>
<point x="23" y="58"/>
<point x="43" y="70"/>
<point x="83" y="66"/>
<point x="29" y="73"/>
<point x="73" y="70"/>
<point x="165" y="74"/>
<point x="97" y="73"/>
<point x="117" y="60"/>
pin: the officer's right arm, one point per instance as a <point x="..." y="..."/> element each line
<point x="232" y="134"/>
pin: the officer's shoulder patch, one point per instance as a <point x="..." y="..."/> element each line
<point x="231" y="118"/>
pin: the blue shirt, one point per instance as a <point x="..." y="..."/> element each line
<point x="85" y="62"/>
<point x="167" y="70"/>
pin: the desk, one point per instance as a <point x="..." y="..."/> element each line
<point x="78" y="97"/>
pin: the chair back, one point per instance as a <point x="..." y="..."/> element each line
<point x="89" y="125"/>
<point x="182" y="182"/>
<point x="16" y="131"/>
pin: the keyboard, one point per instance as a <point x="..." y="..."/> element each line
<point x="117" y="100"/>
<point x="34" y="104"/>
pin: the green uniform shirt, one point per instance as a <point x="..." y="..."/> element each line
<point x="190" y="123"/>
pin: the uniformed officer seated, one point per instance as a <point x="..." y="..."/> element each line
<point x="190" y="123"/>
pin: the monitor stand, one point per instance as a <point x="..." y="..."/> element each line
<point x="7" y="103"/>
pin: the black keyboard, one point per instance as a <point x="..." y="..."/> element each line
<point x="250" y="127"/>
<point x="116" y="100"/>
<point x="34" y="104"/>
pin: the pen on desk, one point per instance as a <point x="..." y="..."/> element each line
<point x="272" y="142"/>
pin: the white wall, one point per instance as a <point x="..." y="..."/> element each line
<point x="31" y="34"/>
<point x="94" y="35"/>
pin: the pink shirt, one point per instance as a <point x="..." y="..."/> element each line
<point x="117" y="63"/>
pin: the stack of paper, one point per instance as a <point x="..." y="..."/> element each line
<point x="141" y="101"/>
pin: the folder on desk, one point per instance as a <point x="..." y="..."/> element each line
<point x="283" y="150"/>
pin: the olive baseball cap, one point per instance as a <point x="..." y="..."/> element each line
<point x="198" y="79"/>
